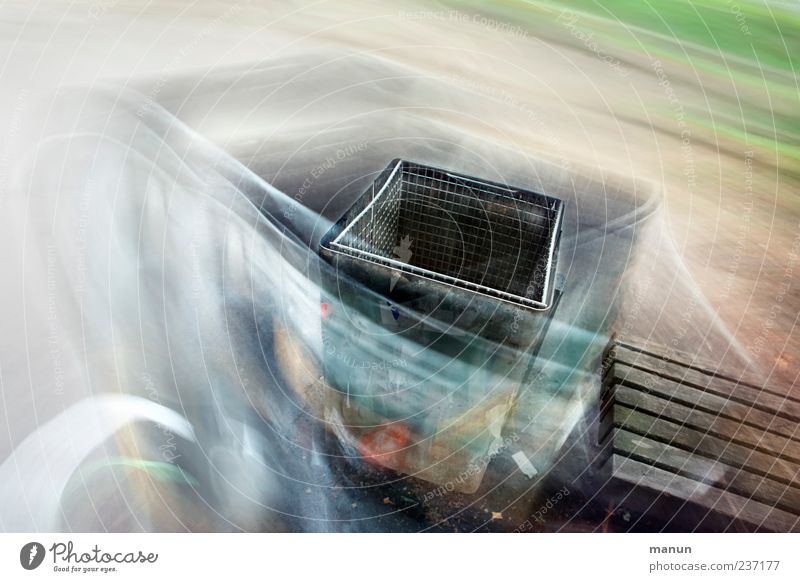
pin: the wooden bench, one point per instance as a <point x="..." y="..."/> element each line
<point x="696" y="449"/>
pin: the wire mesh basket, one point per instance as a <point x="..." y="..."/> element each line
<point x="448" y="290"/>
<point x="484" y="237"/>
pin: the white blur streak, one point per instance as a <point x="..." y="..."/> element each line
<point x="60" y="446"/>
<point x="129" y="235"/>
<point x="142" y="264"/>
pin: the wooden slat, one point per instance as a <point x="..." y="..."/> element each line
<point x="706" y="445"/>
<point x="719" y="426"/>
<point x="693" y="360"/>
<point x="641" y="476"/>
<point x="759" y="397"/>
<point x="708" y="471"/>
<point x="626" y="375"/>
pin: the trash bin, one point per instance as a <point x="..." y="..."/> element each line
<point x="440" y="289"/>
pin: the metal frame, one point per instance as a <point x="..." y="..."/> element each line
<point x="485" y="237"/>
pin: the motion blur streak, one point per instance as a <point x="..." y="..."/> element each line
<point x="60" y="446"/>
<point x="166" y="173"/>
<point x="156" y="275"/>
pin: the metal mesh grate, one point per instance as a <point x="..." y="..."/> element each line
<point x="476" y="235"/>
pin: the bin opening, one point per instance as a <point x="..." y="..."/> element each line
<point x="481" y="236"/>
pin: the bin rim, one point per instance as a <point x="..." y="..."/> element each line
<point x="328" y="242"/>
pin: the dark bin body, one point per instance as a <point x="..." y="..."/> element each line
<point x="441" y="290"/>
